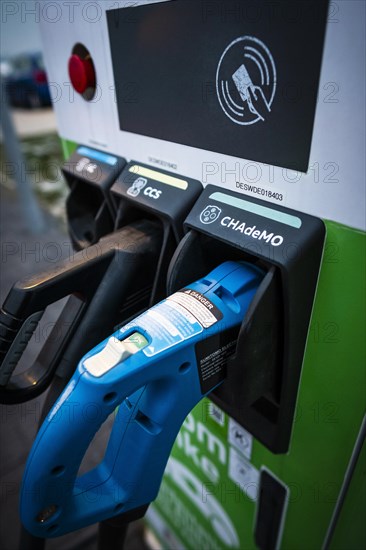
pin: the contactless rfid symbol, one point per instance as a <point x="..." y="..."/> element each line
<point x="210" y="214"/>
<point x="246" y="80"/>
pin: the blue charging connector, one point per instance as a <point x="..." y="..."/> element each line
<point x="156" y="369"/>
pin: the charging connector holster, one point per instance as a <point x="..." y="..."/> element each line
<point x="263" y="373"/>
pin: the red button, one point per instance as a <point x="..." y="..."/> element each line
<point x="82" y="73"/>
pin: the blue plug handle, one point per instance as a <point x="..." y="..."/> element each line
<point x="155" y="388"/>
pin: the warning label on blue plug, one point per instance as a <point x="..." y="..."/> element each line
<point x="198" y="305"/>
<point x="179" y="317"/>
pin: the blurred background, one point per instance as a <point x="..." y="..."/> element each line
<point x="33" y="237"/>
<point x="24" y="83"/>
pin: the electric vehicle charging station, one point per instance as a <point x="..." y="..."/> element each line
<point x="263" y="102"/>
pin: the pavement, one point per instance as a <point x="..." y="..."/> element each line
<point x="34" y="122"/>
<point x="23" y="254"/>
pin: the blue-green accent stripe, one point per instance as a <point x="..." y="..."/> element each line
<point x="264" y="211"/>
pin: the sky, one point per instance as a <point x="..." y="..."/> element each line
<point x="19" y="31"/>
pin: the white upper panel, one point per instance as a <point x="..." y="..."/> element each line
<point x="334" y="186"/>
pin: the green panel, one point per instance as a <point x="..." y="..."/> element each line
<point x="68" y="147"/>
<point x="331" y="400"/>
<point x="198" y="499"/>
<point x="351" y="530"/>
<point x="331" y="404"/>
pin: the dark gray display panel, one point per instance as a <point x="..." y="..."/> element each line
<point x="235" y="77"/>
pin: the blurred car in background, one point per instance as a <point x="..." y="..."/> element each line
<point x="26" y="81"/>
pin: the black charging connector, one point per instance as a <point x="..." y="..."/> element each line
<point x="141" y="192"/>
